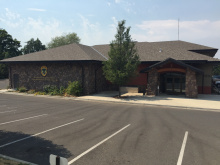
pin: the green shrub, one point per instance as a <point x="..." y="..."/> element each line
<point x="40" y="93"/>
<point x="62" y="90"/>
<point x="22" y="89"/>
<point x="74" y="88"/>
<point x="49" y="88"/>
<point x="32" y="91"/>
<point x="53" y="90"/>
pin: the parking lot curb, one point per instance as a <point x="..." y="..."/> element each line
<point x="16" y="160"/>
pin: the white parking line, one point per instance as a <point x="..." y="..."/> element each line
<point x="90" y="149"/>
<point x="179" y="162"/>
<point x="22" y="119"/>
<point x="8" y="111"/>
<point x="39" y="133"/>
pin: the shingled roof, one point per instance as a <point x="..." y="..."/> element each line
<point x="159" y="51"/>
<point x="148" y="52"/>
<point x="71" y="52"/>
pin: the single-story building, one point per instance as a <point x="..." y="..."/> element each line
<point x="173" y="67"/>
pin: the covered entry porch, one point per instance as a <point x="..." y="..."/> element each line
<point x="172" y="77"/>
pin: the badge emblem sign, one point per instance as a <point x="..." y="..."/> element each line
<point x="44" y="70"/>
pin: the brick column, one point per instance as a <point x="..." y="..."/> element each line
<point x="152" y="82"/>
<point x="191" y="84"/>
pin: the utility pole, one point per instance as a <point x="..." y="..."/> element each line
<point x="178" y="30"/>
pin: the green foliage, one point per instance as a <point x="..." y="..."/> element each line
<point x="49" y="88"/>
<point x="123" y="58"/>
<point x="31" y="91"/>
<point x="40" y="93"/>
<point x="22" y="89"/>
<point x="9" y="47"/>
<point x="53" y="90"/>
<point x="3" y="71"/>
<point x="33" y="46"/>
<point x="63" y="40"/>
<point x="74" y="88"/>
<point x="62" y="90"/>
<point x="216" y="70"/>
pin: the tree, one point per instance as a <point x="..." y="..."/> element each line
<point x="33" y="46"/>
<point x="63" y="40"/>
<point x="9" y="47"/>
<point x="123" y="58"/>
<point x="216" y="70"/>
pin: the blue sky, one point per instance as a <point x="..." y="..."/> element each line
<point x="95" y="21"/>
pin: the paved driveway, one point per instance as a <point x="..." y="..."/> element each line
<point x="85" y="132"/>
<point x="4" y="83"/>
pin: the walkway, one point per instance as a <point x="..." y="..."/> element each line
<point x="208" y="102"/>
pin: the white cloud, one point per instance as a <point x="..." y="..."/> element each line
<point x="11" y="19"/>
<point x="204" y="32"/>
<point x="108" y="3"/>
<point x="26" y="28"/>
<point x="91" y="33"/>
<point x="35" y="9"/>
<point x="168" y="29"/>
<point x="43" y="30"/>
<point x="117" y="1"/>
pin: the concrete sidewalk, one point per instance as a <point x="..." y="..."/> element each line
<point x="203" y="102"/>
<point x="207" y="102"/>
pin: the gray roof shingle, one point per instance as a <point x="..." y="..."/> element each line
<point x="72" y="52"/>
<point x="148" y="51"/>
<point x="159" y="51"/>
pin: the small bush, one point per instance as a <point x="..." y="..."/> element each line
<point x="74" y="88"/>
<point x="49" y="88"/>
<point x="32" y="91"/>
<point x="22" y="89"/>
<point x="53" y="90"/>
<point x="62" y="90"/>
<point x="40" y="93"/>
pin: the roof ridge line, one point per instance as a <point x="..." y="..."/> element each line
<point x="99" y="53"/>
<point x="79" y="45"/>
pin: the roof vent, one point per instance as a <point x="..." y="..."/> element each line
<point x="160" y="50"/>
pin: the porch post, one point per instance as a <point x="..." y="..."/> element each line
<point x="191" y="84"/>
<point x="152" y="82"/>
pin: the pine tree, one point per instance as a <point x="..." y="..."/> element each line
<point x="123" y="58"/>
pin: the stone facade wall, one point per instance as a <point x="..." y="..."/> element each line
<point x="191" y="84"/>
<point x="59" y="74"/>
<point x="152" y="82"/>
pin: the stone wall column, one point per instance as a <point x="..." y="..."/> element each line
<point x="191" y="84"/>
<point x="152" y="82"/>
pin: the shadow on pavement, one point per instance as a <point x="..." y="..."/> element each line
<point x="34" y="150"/>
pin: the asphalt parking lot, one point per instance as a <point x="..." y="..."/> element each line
<point x="85" y="132"/>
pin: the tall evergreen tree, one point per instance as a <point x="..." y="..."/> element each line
<point x="123" y="58"/>
<point x="33" y="46"/>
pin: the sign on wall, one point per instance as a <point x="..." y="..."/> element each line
<point x="44" y="70"/>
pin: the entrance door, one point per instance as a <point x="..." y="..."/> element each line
<point x="15" y="81"/>
<point x="172" y="83"/>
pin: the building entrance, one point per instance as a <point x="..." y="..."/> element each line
<point x="172" y="83"/>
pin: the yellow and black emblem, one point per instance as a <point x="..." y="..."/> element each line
<point x="44" y="70"/>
